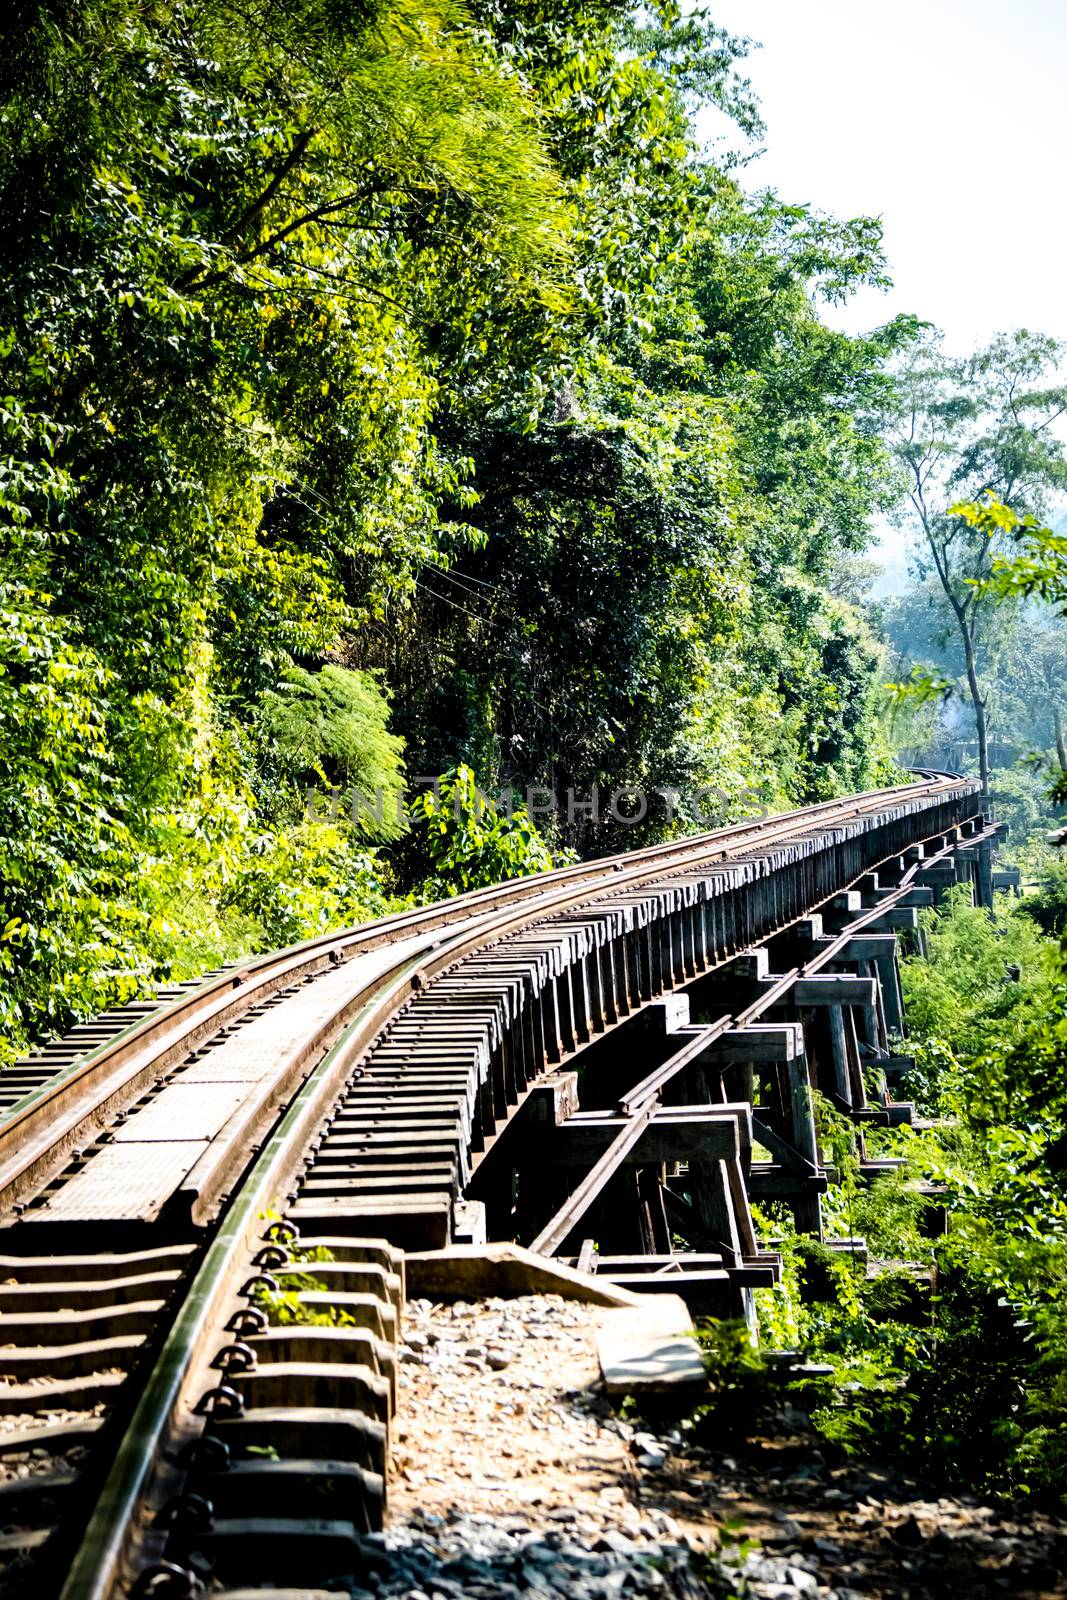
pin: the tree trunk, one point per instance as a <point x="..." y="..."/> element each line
<point x="964" y="612"/>
<point x="1061" y="741"/>
<point x="978" y="701"/>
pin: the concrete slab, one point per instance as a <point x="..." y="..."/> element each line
<point x="180" y="1112"/>
<point x="121" y="1182"/>
<point x="650" y="1347"/>
<point x="495" y="1271"/>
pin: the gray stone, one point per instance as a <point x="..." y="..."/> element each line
<point x="612" y="1539"/>
<point x="609" y="1584"/>
<point x="803" y="1582"/>
<point x="537" y="1580"/>
<point x="761" y="1570"/>
<point x="827" y="1547"/>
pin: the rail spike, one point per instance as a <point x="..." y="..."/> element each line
<point x="221" y="1401"/>
<point x="167" y="1580"/>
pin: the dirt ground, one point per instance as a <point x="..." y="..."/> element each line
<point x="503" y="1417"/>
<point x="501" y="1410"/>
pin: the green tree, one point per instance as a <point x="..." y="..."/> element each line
<point x="234" y="241"/>
<point x="966" y="428"/>
<point x="470" y="841"/>
<point x="332" y="725"/>
<point x="417" y="342"/>
<point x="1027" y="563"/>
<point x="652" y="603"/>
<point x="1025" y="676"/>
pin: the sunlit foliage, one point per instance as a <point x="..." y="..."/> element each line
<point x="382" y="378"/>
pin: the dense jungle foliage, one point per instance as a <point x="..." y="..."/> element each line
<point x="389" y="389"/>
<point x="952" y="1356"/>
<point x="398" y="392"/>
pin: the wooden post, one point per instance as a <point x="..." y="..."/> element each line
<point x="892" y="998"/>
<point x="985" y="876"/>
<point x="713" y="1203"/>
<point x="839" y="1056"/>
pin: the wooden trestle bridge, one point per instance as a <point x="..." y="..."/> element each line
<point x="607" y="1063"/>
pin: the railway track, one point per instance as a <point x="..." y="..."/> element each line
<point x="206" y="1199"/>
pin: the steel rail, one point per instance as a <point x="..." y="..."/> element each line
<point x="41" y="1129"/>
<point x="287" y="963"/>
<point x="641" y="1102"/>
<point x="97" y="1563"/>
<point x="498" y="913"/>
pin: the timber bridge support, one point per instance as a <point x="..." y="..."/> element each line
<point x="206" y="1197"/>
<point x="617" y="1085"/>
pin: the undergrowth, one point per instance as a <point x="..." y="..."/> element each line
<point x="283" y="1306"/>
<point x="952" y="1357"/>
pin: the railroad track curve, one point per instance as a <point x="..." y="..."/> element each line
<point x="207" y="1200"/>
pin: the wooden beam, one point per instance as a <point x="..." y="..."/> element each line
<point x="762" y="1046"/>
<point x="834" y="989"/>
<point x="769" y="1179"/>
<point x="674" y="1134"/>
<point x="553" y="1234"/>
<point x="785" y="1153"/>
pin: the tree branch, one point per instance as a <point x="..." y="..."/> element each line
<point x="1041" y="426"/>
<point x="263" y="200"/>
<point x="282" y="233"/>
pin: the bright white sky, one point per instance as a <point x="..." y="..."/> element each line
<point x="947" y="119"/>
